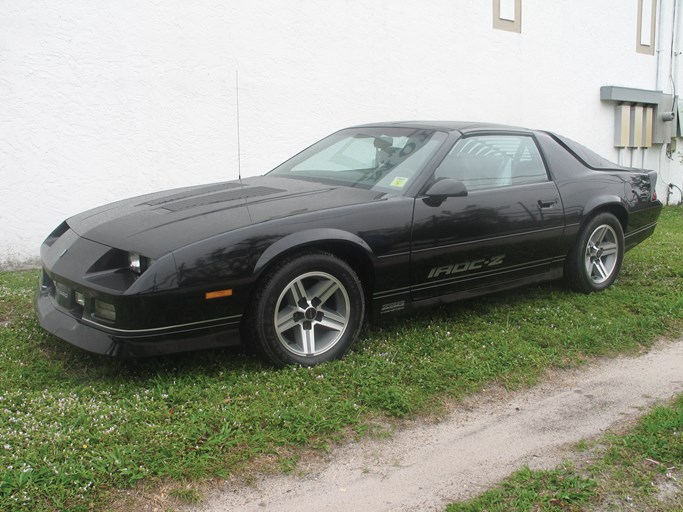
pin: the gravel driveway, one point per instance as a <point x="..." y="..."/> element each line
<point x="428" y="465"/>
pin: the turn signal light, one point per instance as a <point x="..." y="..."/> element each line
<point x="218" y="294"/>
<point x="105" y="311"/>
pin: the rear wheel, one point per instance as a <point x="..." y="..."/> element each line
<point x="308" y="309"/>
<point x="595" y="260"/>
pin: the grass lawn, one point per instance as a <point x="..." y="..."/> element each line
<point x="76" y="427"/>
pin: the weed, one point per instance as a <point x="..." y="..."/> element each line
<point x="186" y="495"/>
<point x="560" y="490"/>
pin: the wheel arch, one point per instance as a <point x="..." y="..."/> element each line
<point x="613" y="205"/>
<point x="342" y="244"/>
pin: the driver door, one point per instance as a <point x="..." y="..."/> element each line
<point x="506" y="229"/>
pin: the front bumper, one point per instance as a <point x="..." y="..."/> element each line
<point x="132" y="344"/>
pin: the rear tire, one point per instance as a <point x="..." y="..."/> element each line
<point x="595" y="259"/>
<point x="308" y="309"/>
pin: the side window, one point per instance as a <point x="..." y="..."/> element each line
<point x="491" y="161"/>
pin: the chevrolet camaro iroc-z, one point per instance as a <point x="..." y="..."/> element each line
<point x="370" y="221"/>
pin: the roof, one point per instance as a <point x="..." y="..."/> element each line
<point x="461" y="126"/>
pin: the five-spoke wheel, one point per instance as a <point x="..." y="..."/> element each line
<point x="602" y="254"/>
<point x="308" y="309"/>
<point x="595" y="259"/>
<point x="312" y="313"/>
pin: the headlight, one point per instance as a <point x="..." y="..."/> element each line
<point x="138" y="263"/>
<point x="134" y="263"/>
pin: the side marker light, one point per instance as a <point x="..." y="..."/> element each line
<point x="218" y="294"/>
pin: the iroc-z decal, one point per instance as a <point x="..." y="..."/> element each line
<point x="466" y="266"/>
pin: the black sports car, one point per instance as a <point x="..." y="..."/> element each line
<point x="372" y="220"/>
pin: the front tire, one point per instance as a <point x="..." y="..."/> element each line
<point x="307" y="310"/>
<point x="595" y="260"/>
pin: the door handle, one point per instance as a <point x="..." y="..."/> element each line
<point x="547" y="203"/>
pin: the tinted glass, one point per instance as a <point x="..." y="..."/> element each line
<point x="383" y="159"/>
<point x="490" y="161"/>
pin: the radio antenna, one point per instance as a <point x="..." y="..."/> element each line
<point x="237" y="95"/>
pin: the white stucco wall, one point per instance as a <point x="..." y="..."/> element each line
<point x="104" y="100"/>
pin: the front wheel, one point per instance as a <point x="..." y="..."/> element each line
<point x="595" y="260"/>
<point x="307" y="310"/>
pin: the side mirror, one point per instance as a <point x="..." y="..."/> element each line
<point x="448" y="188"/>
<point x="439" y="191"/>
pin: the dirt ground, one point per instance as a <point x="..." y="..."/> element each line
<point x="427" y="465"/>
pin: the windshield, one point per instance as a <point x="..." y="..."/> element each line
<point x="383" y="159"/>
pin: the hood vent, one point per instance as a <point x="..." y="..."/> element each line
<point x="192" y="193"/>
<point x="221" y="197"/>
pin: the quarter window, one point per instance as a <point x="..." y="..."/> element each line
<point x="492" y="161"/>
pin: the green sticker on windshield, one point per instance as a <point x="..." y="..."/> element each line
<point x="398" y="182"/>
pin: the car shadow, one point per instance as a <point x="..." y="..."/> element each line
<point x="77" y="364"/>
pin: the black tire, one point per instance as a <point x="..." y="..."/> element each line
<point x="308" y="309"/>
<point x="595" y="259"/>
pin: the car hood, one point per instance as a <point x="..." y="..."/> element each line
<point x="158" y="223"/>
